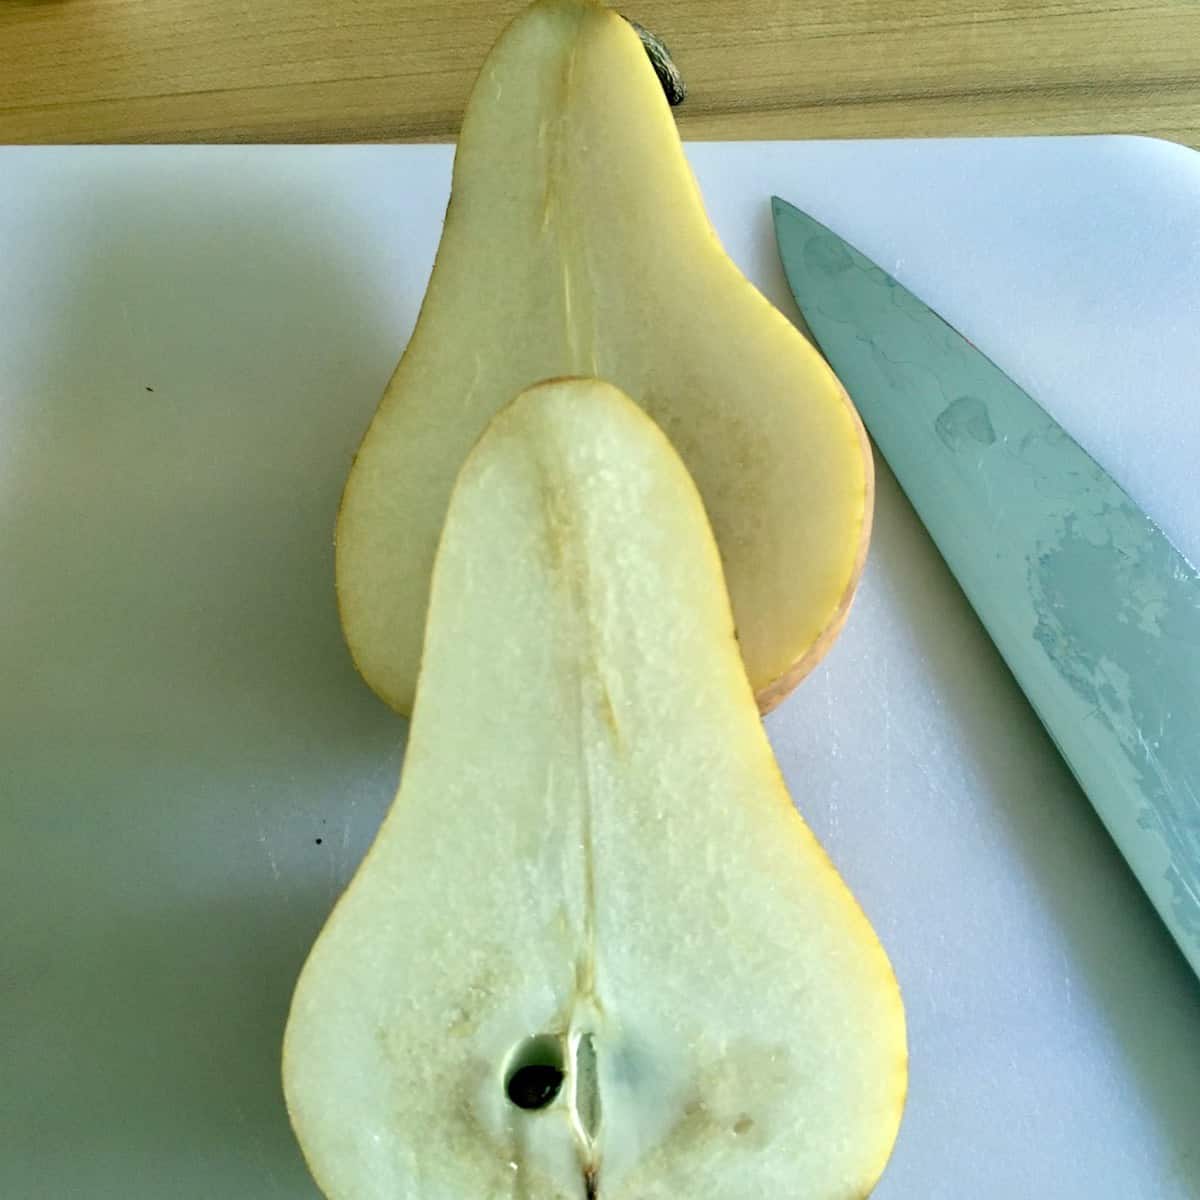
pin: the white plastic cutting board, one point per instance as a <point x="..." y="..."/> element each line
<point x="191" y="342"/>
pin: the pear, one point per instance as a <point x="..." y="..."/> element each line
<point x="576" y="243"/>
<point x="593" y="950"/>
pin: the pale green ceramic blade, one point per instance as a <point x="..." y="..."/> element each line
<point x="1093" y="609"/>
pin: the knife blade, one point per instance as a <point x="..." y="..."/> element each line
<point x="1095" y="612"/>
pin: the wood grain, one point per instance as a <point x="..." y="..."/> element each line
<point x="366" y="70"/>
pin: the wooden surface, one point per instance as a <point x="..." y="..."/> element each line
<point x="352" y="70"/>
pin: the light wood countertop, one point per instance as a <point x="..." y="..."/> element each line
<point x="366" y="70"/>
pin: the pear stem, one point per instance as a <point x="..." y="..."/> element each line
<point x="668" y="74"/>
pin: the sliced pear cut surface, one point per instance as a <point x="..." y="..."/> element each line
<point x="593" y="951"/>
<point x="576" y="243"/>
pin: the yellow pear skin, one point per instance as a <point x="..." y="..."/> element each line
<point x="576" y="243"/>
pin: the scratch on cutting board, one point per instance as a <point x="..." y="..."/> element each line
<point x="266" y="845"/>
<point x="264" y="840"/>
<point x="887" y="731"/>
<point x="833" y="799"/>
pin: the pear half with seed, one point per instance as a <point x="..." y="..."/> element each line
<point x="593" y="951"/>
<point x="576" y="243"/>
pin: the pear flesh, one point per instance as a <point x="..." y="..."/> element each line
<point x="593" y="950"/>
<point x="576" y="243"/>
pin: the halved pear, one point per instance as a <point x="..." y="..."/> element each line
<point x="593" y="950"/>
<point x="576" y="243"/>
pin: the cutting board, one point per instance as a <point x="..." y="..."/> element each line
<point x="191" y="343"/>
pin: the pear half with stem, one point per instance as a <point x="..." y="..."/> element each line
<point x="576" y="243"/>
<point x="593" y="950"/>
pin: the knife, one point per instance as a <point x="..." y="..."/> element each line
<point x="1093" y="609"/>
